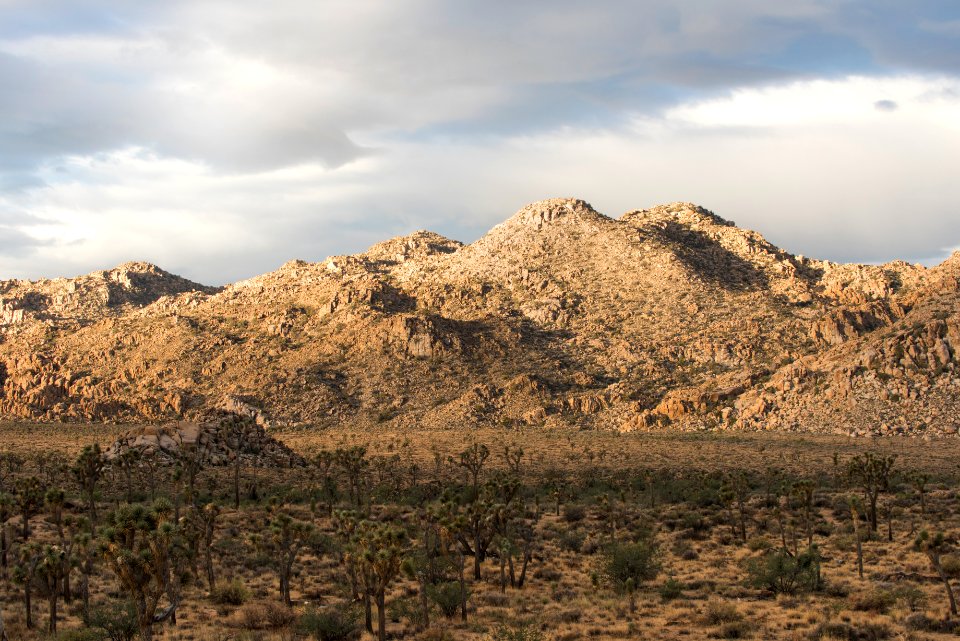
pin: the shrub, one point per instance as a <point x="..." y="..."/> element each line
<point x="232" y="593"/>
<point x="572" y="540"/>
<point x="519" y="633"/>
<point x="881" y="600"/>
<point x="447" y="597"/>
<point x="626" y="564"/>
<point x="781" y="573"/>
<point x="82" y="634"/>
<point x="573" y="513"/>
<point x="733" y="630"/>
<point x="951" y="565"/>
<point x="331" y="624"/>
<point x="671" y="589"/>
<point x="719" y="612"/>
<point x="264" y="614"/>
<point x="117" y="621"/>
<point x="848" y="632"/>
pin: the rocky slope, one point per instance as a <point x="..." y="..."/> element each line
<point x="668" y="317"/>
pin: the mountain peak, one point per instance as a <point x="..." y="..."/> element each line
<point x="544" y="212"/>
<point x="683" y="212"/>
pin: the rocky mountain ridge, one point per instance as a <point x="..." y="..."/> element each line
<point x="664" y="318"/>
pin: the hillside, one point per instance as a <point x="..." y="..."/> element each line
<point x="665" y="318"/>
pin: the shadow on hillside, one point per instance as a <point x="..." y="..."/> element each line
<point x="710" y="261"/>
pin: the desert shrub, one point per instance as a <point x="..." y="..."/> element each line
<point x="572" y="540"/>
<point x="330" y="624"/>
<point x="629" y="564"/>
<point x="951" y="565"/>
<point x="758" y="543"/>
<point x="719" y="612"/>
<point x="232" y="593"/>
<point x="573" y="513"/>
<point x="447" y="597"/>
<point x="264" y="614"/>
<point x="733" y="630"/>
<point x="517" y="633"/>
<point x="880" y="600"/>
<point x="681" y="547"/>
<point x="849" y="632"/>
<point x="82" y="634"/>
<point x="920" y="622"/>
<point x="671" y="589"/>
<point x="117" y="621"/>
<point x="781" y="573"/>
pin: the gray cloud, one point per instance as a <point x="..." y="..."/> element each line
<point x="222" y="138"/>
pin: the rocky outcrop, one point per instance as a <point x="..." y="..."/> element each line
<point x="217" y="442"/>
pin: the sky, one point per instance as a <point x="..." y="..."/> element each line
<point x="222" y="138"/>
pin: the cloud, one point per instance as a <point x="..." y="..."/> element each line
<point x="841" y="181"/>
<point x="221" y="138"/>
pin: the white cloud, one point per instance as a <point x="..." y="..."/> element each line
<point x="842" y="182"/>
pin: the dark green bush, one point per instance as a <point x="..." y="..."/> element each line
<point x="782" y="573"/>
<point x="330" y="624"/>
<point x="629" y="562"/>
<point x="117" y="621"/>
<point x="82" y="634"/>
<point x="671" y="589"/>
<point x="232" y="593"/>
<point x="447" y="597"/>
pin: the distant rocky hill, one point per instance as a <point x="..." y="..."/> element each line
<point x="665" y="318"/>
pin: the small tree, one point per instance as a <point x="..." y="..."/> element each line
<point x="29" y="498"/>
<point x="919" y="482"/>
<point x="472" y="460"/>
<point x="6" y="513"/>
<point x="139" y="545"/>
<point x="284" y="540"/>
<point x="625" y="566"/>
<point x="783" y="573"/>
<point x="88" y="470"/>
<point x="873" y="473"/>
<point x="379" y="551"/>
<point x="935" y="547"/>
<point x="49" y="572"/>
<point x="24" y="574"/>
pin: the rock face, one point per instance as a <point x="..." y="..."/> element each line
<point x="665" y="318"/>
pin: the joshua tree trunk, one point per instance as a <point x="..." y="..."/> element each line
<point x="368" y="613"/>
<point x="381" y="616"/>
<point x="463" y="589"/>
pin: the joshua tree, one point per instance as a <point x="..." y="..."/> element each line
<point x="919" y="482"/>
<point x="128" y="461"/>
<point x="354" y="463"/>
<point x="88" y="470"/>
<point x="29" y="498"/>
<point x="207" y="519"/>
<point x="139" y="546"/>
<point x="378" y="549"/>
<point x="49" y="571"/>
<point x="804" y="491"/>
<point x="855" y="518"/>
<point x="24" y="574"/>
<point x="472" y="460"/>
<point x="55" y="499"/>
<point x="873" y="473"/>
<point x="6" y="513"/>
<point x="284" y="540"/>
<point x="934" y="547"/>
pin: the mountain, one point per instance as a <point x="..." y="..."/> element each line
<point x="665" y="318"/>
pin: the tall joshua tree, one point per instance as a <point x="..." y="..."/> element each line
<point x="88" y="470"/>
